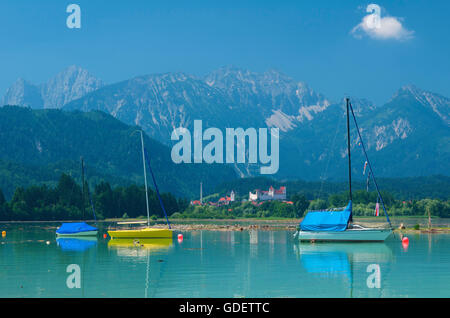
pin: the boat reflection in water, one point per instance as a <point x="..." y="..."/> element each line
<point x="142" y="248"/>
<point x="139" y="247"/>
<point x="343" y="259"/>
<point x="76" y="244"/>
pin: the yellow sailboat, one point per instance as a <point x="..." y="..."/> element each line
<point x="146" y="232"/>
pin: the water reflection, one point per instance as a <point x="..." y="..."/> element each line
<point x="358" y="252"/>
<point x="138" y="247"/>
<point x="141" y="248"/>
<point x="330" y="263"/>
<point x="255" y="264"/>
<point x="342" y="259"/>
<point x="78" y="244"/>
<point x="253" y="243"/>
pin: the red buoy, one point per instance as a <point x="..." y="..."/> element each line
<point x="180" y="237"/>
<point x="104" y="235"/>
<point x="405" y="243"/>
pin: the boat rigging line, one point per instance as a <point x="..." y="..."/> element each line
<point x="145" y="157"/>
<point x="368" y="163"/>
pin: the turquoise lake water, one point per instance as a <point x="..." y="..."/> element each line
<point x="33" y="263"/>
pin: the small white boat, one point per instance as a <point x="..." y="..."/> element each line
<point x="76" y="229"/>
<point x="355" y="234"/>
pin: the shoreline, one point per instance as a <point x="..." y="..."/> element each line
<point x="244" y="224"/>
<point x="269" y="219"/>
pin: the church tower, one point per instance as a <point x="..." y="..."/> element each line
<point x="232" y="196"/>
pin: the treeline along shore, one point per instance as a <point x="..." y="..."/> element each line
<point x="67" y="201"/>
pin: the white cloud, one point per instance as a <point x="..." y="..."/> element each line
<point x="381" y="28"/>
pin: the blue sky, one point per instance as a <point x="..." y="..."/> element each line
<point x="311" y="41"/>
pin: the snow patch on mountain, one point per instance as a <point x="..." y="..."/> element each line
<point x="386" y="134"/>
<point x="308" y="112"/>
<point x="281" y="120"/>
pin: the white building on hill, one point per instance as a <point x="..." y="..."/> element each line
<point x="272" y="194"/>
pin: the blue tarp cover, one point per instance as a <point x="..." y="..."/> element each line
<point x="75" y="245"/>
<point x="72" y="228"/>
<point x="331" y="221"/>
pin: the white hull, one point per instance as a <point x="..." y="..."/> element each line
<point x="85" y="233"/>
<point x="349" y="235"/>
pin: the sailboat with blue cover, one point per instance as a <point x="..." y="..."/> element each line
<point x="337" y="224"/>
<point x="79" y="228"/>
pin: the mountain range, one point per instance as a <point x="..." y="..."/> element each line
<point x="407" y="136"/>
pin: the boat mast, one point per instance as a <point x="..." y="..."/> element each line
<point x="348" y="149"/>
<point x="82" y="188"/>
<point x="89" y="196"/>
<point x="349" y="160"/>
<point x="156" y="188"/>
<point x="145" y="178"/>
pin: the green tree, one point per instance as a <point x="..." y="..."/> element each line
<point x="68" y="191"/>
<point x="5" y="212"/>
<point x="105" y="200"/>
<point x="301" y="204"/>
<point x="318" y="204"/>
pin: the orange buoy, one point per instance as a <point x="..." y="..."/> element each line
<point x="3" y="233"/>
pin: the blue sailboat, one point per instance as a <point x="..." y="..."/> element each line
<point x="79" y="228"/>
<point x="76" y="229"/>
<point x="337" y="224"/>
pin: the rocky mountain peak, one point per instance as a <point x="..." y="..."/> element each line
<point x="23" y="93"/>
<point x="72" y="83"/>
<point x="437" y="103"/>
